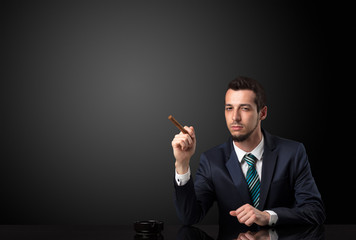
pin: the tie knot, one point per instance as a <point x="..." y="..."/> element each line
<point x="250" y="159"/>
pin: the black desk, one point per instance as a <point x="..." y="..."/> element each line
<point x="329" y="232"/>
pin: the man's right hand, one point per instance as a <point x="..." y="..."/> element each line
<point x="183" y="149"/>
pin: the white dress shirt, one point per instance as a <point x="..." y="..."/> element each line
<point x="182" y="179"/>
<point x="257" y="152"/>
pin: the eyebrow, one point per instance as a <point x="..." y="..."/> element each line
<point x="240" y="105"/>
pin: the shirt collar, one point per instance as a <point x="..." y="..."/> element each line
<point x="257" y="151"/>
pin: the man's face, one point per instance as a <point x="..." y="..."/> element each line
<point x="241" y="114"/>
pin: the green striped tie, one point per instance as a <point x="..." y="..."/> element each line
<point x="252" y="179"/>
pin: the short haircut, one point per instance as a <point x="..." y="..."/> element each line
<point x="245" y="83"/>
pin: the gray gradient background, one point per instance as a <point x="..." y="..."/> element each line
<point x="87" y="88"/>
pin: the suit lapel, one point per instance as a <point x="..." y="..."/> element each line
<point x="237" y="176"/>
<point x="268" y="166"/>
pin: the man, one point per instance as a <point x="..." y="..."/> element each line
<point x="255" y="177"/>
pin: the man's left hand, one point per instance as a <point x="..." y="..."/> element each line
<point x="249" y="215"/>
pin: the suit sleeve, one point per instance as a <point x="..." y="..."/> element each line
<point x="193" y="200"/>
<point x="308" y="208"/>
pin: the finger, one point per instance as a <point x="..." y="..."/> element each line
<point x="242" y="236"/>
<point x="240" y="212"/>
<point x="233" y="213"/>
<point x="250" y="220"/>
<point x="186" y="137"/>
<point x="190" y="131"/>
<point x="179" y="142"/>
<point x="181" y="136"/>
<point x="176" y="140"/>
<point x="244" y="216"/>
<point x="184" y="144"/>
<point x="249" y="235"/>
<point x="242" y="208"/>
<point x="189" y="140"/>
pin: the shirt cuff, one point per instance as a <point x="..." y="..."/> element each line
<point x="273" y="219"/>
<point x="182" y="179"/>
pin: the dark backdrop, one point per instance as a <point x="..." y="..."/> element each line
<point x="87" y="86"/>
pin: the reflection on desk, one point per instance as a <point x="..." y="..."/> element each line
<point x="291" y="233"/>
<point x="53" y="232"/>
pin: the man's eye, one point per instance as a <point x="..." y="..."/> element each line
<point x="228" y="108"/>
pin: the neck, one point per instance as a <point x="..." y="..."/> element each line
<point x="250" y="143"/>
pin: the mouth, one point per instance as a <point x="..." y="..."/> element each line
<point x="236" y="127"/>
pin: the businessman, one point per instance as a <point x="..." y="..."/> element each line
<point x="255" y="177"/>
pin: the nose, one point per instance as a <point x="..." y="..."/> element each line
<point x="236" y="117"/>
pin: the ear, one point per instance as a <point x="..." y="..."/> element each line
<point x="263" y="113"/>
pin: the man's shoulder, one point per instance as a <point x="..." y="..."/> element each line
<point x="285" y="141"/>
<point x="283" y="144"/>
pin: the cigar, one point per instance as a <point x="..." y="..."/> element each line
<point x="177" y="124"/>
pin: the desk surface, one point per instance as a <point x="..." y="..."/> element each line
<point x="329" y="232"/>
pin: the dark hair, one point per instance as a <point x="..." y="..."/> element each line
<point x="245" y="83"/>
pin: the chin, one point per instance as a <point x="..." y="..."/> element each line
<point x="240" y="137"/>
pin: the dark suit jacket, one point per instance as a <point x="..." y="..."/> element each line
<point x="287" y="185"/>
